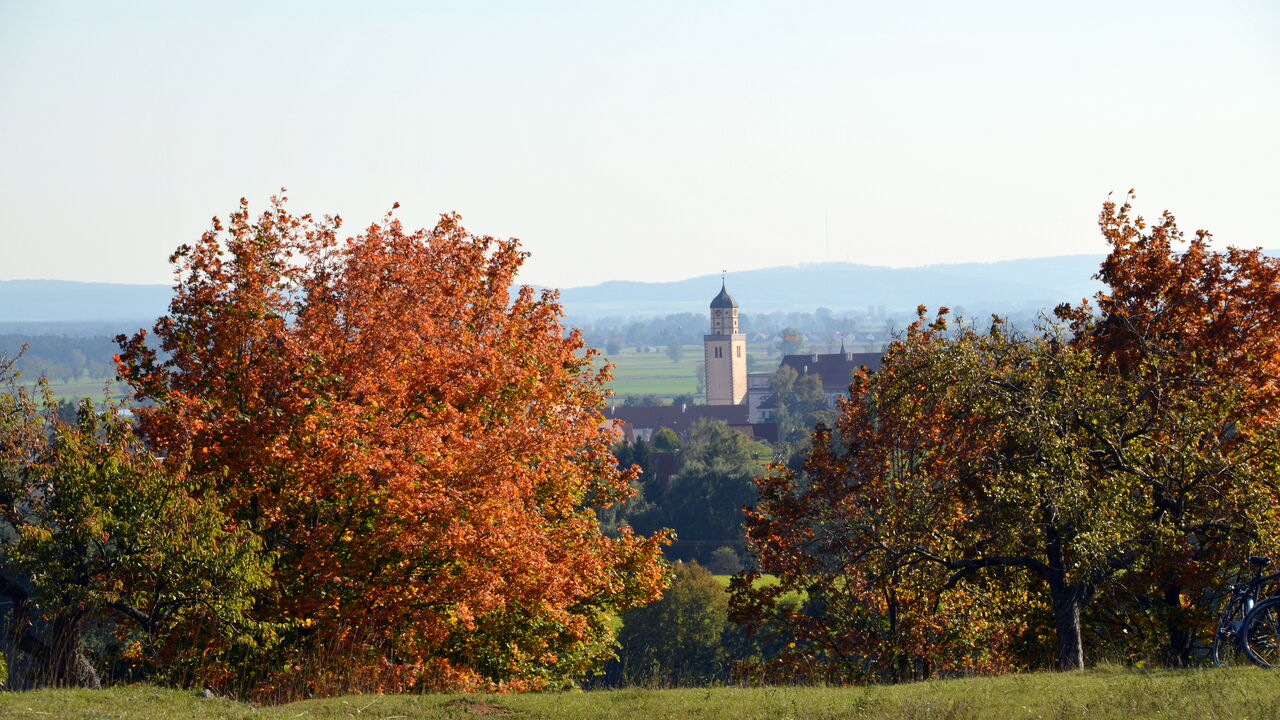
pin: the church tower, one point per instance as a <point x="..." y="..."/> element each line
<point x="725" y="351"/>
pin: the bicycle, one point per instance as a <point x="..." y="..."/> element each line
<point x="1260" y="633"/>
<point x="1231" y="636"/>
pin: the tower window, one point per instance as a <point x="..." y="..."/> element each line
<point x="739" y="351"/>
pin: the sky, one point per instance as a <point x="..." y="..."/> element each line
<point x="641" y="141"/>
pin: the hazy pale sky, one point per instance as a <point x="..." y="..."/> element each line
<point x="648" y="141"/>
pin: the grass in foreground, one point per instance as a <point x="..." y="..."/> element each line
<point x="1100" y="694"/>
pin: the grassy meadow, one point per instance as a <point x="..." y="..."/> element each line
<point x="76" y="389"/>
<point x="654" y="373"/>
<point x="634" y="373"/>
<point x="1099" y="694"/>
<point x="643" y="373"/>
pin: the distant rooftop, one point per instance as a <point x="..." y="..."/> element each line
<point x="835" y="369"/>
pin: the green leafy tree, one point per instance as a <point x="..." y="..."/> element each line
<point x="704" y="501"/>
<point x="666" y="440"/>
<point x="801" y="404"/>
<point x="96" y="531"/>
<point x="646" y="400"/>
<point x="791" y="342"/>
<point x="725" y="561"/>
<point x="680" y="639"/>
<point x="614" y="516"/>
<point x="982" y="478"/>
<point x="960" y="460"/>
<point x="684" y="399"/>
<point x="675" y="351"/>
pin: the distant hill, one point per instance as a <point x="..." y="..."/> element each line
<point x="1008" y="286"/>
<point x="979" y="287"/>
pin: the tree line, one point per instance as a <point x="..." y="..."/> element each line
<point x="823" y="325"/>
<point x="707" y="481"/>
<point x="824" y="328"/>
<point x="61" y="358"/>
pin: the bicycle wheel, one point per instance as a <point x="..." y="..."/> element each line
<point x="1260" y="633"/>
<point x="1226" y="648"/>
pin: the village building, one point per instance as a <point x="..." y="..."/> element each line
<point x="745" y="401"/>
<point x="725" y="356"/>
<point x="834" y="369"/>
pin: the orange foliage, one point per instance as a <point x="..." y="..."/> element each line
<point x="1203" y="312"/>
<point x="418" y="443"/>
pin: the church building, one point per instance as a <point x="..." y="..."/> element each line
<point x="746" y="402"/>
<point x="725" y="351"/>
<point x="729" y="383"/>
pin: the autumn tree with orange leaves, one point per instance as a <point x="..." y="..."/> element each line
<point x="418" y="443"/>
<point x="1201" y="330"/>
<point x="992" y="496"/>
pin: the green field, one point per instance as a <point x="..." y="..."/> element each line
<point x="77" y="389"/>
<point x="644" y="373"/>
<point x="1100" y="694"/>
<point x="635" y="373"/>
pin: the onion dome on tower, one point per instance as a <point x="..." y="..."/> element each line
<point x="724" y="299"/>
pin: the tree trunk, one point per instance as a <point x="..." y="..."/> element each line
<point x="1178" y="653"/>
<point x="59" y="655"/>
<point x="55" y="647"/>
<point x="1068" y="598"/>
<point x="1067" y="602"/>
